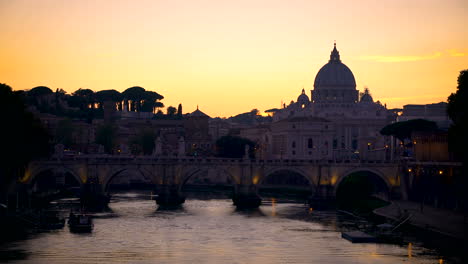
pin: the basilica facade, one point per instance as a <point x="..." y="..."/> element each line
<point x="337" y="122"/>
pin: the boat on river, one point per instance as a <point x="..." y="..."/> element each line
<point x="80" y="223"/>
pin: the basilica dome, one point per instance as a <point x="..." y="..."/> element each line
<point x="335" y="74"/>
<point x="303" y="98"/>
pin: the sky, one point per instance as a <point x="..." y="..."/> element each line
<point x="229" y="57"/>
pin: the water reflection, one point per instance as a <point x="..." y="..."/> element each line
<point x="211" y="231"/>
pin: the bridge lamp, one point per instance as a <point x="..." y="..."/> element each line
<point x="409" y="170"/>
<point x="441" y="172"/>
<point x="255" y="179"/>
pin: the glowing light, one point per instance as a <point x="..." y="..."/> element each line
<point x="311" y="210"/>
<point x="410" y="250"/>
<point x="441" y="172"/>
<point x="410" y="170"/>
<point x="334" y="179"/>
<point x="82" y="174"/>
<point x="255" y="179"/>
<point x="26" y="177"/>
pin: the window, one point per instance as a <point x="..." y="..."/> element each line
<point x="310" y="143"/>
<point x="335" y="143"/>
<point x="354" y="144"/>
<point x="294" y="152"/>
<point x="293" y="144"/>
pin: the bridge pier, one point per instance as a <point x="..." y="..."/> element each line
<point x="169" y="195"/>
<point x="246" y="196"/>
<point x="93" y="198"/>
<point x="322" y="198"/>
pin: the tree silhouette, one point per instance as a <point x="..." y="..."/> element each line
<point x="40" y="91"/>
<point x="23" y="138"/>
<point x="83" y="99"/>
<point x="234" y="147"/>
<point x="457" y="110"/>
<point x="402" y="130"/>
<point x="171" y="111"/>
<point x="108" y="95"/>
<point x="64" y="132"/>
<point x="150" y="101"/>
<point x="134" y="96"/>
<point x="144" y="141"/>
<point x="106" y="136"/>
<point x="179" y="110"/>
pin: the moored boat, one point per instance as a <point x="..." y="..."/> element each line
<point x="80" y="223"/>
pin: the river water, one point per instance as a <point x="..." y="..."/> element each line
<point x="211" y="231"/>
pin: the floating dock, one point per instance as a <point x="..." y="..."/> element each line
<point x="358" y="237"/>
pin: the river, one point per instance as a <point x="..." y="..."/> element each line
<point x="211" y="231"/>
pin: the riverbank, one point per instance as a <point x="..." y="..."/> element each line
<point x="443" y="221"/>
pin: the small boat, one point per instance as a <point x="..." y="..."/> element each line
<point x="358" y="237"/>
<point x="80" y="223"/>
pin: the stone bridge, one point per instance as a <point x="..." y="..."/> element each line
<point x="169" y="174"/>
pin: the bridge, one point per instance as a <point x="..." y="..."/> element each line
<point x="169" y="174"/>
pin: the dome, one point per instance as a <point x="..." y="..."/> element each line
<point x="335" y="74"/>
<point x="303" y="98"/>
<point x="366" y="97"/>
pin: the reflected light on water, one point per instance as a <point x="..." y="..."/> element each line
<point x="273" y="207"/>
<point x="410" y="250"/>
<point x="212" y="231"/>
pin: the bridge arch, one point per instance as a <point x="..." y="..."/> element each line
<point x="115" y="172"/>
<point x="194" y="171"/>
<point x="375" y="176"/>
<point x="269" y="172"/>
<point x="36" y="172"/>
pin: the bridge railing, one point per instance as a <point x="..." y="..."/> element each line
<point x="106" y="158"/>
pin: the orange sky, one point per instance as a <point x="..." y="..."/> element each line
<point x="232" y="56"/>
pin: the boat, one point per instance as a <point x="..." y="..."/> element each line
<point x="80" y="223"/>
<point x="358" y="237"/>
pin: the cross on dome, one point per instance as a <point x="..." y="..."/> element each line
<point x="335" y="54"/>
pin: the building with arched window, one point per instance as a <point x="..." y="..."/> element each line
<point x="337" y="122"/>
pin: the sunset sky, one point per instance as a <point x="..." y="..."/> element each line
<point x="229" y="57"/>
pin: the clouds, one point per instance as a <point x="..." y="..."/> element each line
<point x="409" y="58"/>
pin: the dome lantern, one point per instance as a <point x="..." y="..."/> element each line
<point x="335" y="54"/>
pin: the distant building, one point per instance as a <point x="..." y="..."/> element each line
<point x="337" y="122"/>
<point x="197" y="138"/>
<point x="433" y="112"/>
<point x="431" y="146"/>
